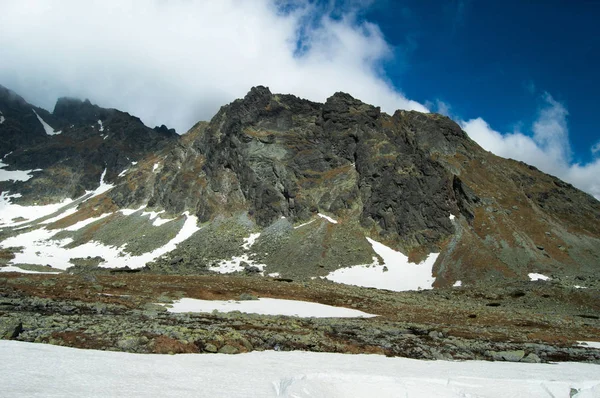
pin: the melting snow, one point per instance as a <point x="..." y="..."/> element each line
<point x="101" y="125"/>
<point x="12" y="268"/>
<point x="40" y="248"/>
<point x="15" y="175"/>
<point x="62" y="215"/>
<point x="249" y="241"/>
<point x="401" y="275"/>
<point x="77" y="226"/>
<point x="134" y="163"/>
<point x="2" y="118"/>
<point x="302" y="225"/>
<point x="452" y="217"/>
<point x="122" y="174"/>
<point x="234" y="265"/>
<point x="331" y="220"/>
<point x="155" y="166"/>
<point x="268" y="306"/>
<point x="157" y="220"/>
<point x="49" y="130"/>
<point x="41" y="370"/>
<point x="538" y="277"/>
<point x="457" y="284"/>
<point x="590" y="344"/>
<point x="10" y="211"/>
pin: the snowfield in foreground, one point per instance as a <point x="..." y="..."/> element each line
<point x="39" y="370"/>
<point x="268" y="306"/>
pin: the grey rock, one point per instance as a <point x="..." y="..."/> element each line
<point x="210" y="348"/>
<point x="228" y="349"/>
<point x="10" y="328"/>
<point x="509" y="356"/>
<point x="531" y="358"/>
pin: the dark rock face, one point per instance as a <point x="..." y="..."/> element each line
<point x="20" y="127"/>
<point x="265" y="157"/>
<point x="92" y="139"/>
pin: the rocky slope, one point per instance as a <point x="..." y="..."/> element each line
<point x="312" y="179"/>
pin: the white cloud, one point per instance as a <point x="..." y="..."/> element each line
<point x="176" y="62"/>
<point x="548" y="148"/>
<point x="595" y="148"/>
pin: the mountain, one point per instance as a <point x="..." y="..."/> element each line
<point x="279" y="185"/>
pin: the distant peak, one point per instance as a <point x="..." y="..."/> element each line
<point x="258" y="92"/>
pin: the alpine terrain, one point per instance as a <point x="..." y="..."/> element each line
<point x="446" y="250"/>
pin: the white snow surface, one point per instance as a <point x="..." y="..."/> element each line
<point x="40" y="370"/>
<point x="590" y="344"/>
<point x="401" y="275"/>
<point x="234" y="265"/>
<point x="12" y="268"/>
<point x="15" y="175"/>
<point x="538" y="277"/>
<point x="304" y="224"/>
<point x="155" y="166"/>
<point x="40" y="248"/>
<point x="331" y="220"/>
<point x="122" y="174"/>
<point x="452" y="217"/>
<point x="10" y="211"/>
<point x="457" y="284"/>
<point x="101" y="125"/>
<point x="103" y="187"/>
<point x="268" y="306"/>
<point x="153" y="215"/>
<point x="249" y="241"/>
<point x="47" y="128"/>
<point x="78" y="225"/>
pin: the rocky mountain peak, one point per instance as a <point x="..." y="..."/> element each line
<point x="74" y="110"/>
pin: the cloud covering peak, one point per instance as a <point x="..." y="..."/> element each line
<point x="176" y="62"/>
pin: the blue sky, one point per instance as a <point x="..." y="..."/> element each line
<point x="519" y="77"/>
<point x="494" y="59"/>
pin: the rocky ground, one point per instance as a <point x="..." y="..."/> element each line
<point x="527" y="322"/>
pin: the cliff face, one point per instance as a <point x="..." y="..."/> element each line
<point x="270" y="162"/>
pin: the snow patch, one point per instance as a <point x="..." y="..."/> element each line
<point x="15" y="175"/>
<point x="122" y="174"/>
<point x="268" y="306"/>
<point x="589" y="344"/>
<point x="234" y="265"/>
<point x="128" y="212"/>
<point x="2" y="118"/>
<point x="12" y="268"/>
<point x="62" y="215"/>
<point x="77" y="226"/>
<point x="47" y="128"/>
<point x="101" y="125"/>
<point x="305" y="224"/>
<point x="134" y="163"/>
<point x="10" y="211"/>
<point x="249" y="241"/>
<point x="457" y="284"/>
<point x="40" y="248"/>
<point x="155" y="167"/>
<point x="41" y="370"/>
<point x="538" y="277"/>
<point x="157" y="220"/>
<point x="452" y="217"/>
<point x="401" y="275"/>
<point x="331" y="220"/>
<point x="274" y="275"/>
